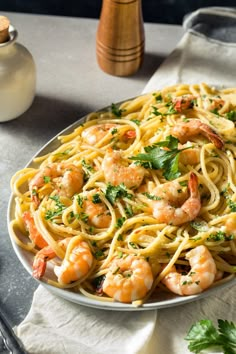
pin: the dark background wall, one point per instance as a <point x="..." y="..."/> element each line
<point x="159" y="11"/>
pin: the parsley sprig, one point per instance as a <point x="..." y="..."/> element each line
<point x="203" y="335"/>
<point x="158" y="158"/>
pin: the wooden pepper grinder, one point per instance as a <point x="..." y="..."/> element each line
<point x="120" y="37"/>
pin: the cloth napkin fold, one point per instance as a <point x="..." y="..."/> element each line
<point x="206" y="53"/>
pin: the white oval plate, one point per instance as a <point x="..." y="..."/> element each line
<point x="162" y="300"/>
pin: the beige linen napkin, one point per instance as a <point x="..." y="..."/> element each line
<point x="55" y="326"/>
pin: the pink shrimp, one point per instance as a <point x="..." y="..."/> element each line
<point x="117" y="170"/>
<point x="128" y="279"/>
<point x="97" y="212"/>
<point x="182" y="103"/>
<point x="34" y="234"/>
<point x="44" y="255"/>
<point x="92" y="135"/>
<point x="213" y="103"/>
<point x="67" y="178"/>
<point x="171" y="195"/>
<point x="185" y="130"/>
<point x="201" y="275"/>
<point x="76" y="264"/>
<point x="190" y="156"/>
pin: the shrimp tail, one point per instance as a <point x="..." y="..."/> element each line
<point x="192" y="205"/>
<point x="39" y="267"/>
<point x="212" y="136"/>
<point x="40" y="262"/>
<point x="193" y="185"/>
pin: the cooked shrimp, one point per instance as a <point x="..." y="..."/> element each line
<point x="117" y="170"/>
<point x="230" y="225"/>
<point x="66" y="177"/>
<point x="95" y="133"/>
<point x="190" y="156"/>
<point x="213" y="103"/>
<point x="185" y="130"/>
<point x="167" y="209"/>
<point x="128" y="279"/>
<point x="44" y="255"/>
<point x="97" y="212"/>
<point x="34" y="234"/>
<point x="182" y="103"/>
<point x="76" y="263"/>
<point x="200" y="277"/>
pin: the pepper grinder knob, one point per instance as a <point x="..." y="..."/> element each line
<point x="120" y="37"/>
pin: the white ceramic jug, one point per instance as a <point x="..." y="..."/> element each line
<point x="17" y="77"/>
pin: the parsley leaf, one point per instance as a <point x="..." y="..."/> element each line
<point x="203" y="335"/>
<point x="157" y="158"/>
<point x="228" y="336"/>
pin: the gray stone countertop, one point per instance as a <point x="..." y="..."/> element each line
<point x="69" y="85"/>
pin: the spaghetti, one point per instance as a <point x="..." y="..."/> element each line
<point x="138" y="199"/>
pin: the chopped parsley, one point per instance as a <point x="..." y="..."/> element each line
<point x="133" y="245"/>
<point x="232" y="205"/>
<point x="159" y="98"/>
<point x="96" y="198"/>
<point x="231" y="116"/>
<point x="215" y="111"/>
<point x="83" y="217"/>
<point x="46" y="179"/>
<point x="59" y="207"/>
<point x="129" y="211"/>
<point x="171" y="110"/>
<point x="62" y="153"/>
<point x="120" y="238"/>
<point x="99" y="254"/>
<point x="80" y="200"/>
<point x="116" y="110"/>
<point x="152" y="196"/>
<point x="120" y="254"/>
<point x="86" y="166"/>
<point x="220" y="236"/>
<point x="199" y="225"/>
<point x="114" y="131"/>
<point x="120" y="222"/>
<point x="156" y="112"/>
<point x="113" y="193"/>
<point x="136" y="121"/>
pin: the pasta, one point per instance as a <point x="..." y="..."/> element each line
<point x="140" y="198"/>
